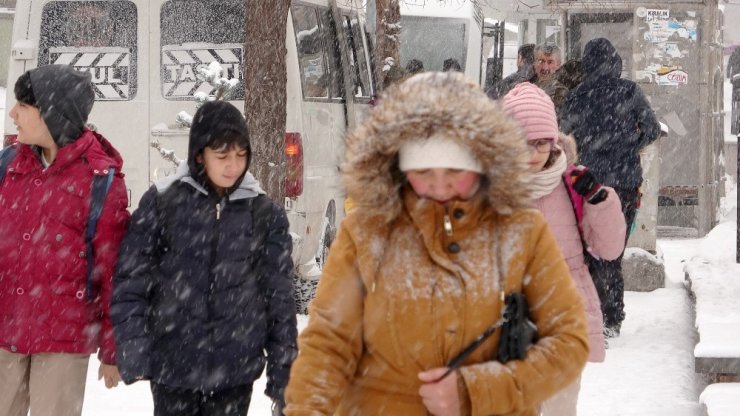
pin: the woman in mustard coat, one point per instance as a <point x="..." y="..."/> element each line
<point x="440" y="233"/>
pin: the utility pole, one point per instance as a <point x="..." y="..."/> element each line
<point x="265" y="83"/>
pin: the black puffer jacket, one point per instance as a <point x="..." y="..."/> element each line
<point x="610" y="118"/>
<point x="203" y="292"/>
<point x="197" y="300"/>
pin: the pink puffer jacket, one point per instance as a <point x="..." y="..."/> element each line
<point x="604" y="230"/>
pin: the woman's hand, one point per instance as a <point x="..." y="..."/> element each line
<point x="441" y="397"/>
<point x="110" y="374"/>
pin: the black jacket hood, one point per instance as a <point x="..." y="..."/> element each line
<point x="215" y="120"/>
<point x="65" y="97"/>
<point x="601" y="60"/>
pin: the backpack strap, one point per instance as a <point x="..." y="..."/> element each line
<point x="100" y="187"/>
<point x="6" y="156"/>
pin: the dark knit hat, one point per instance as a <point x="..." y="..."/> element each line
<point x="216" y="124"/>
<point x="23" y="90"/>
<point x="64" y="97"/>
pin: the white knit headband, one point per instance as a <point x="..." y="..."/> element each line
<point x="436" y="152"/>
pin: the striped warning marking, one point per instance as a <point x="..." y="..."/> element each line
<point x="180" y="65"/>
<point x="110" y="68"/>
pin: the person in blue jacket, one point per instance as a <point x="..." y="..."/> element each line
<point x="612" y="121"/>
<point x="203" y="291"/>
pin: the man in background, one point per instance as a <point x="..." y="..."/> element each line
<point x="612" y="121"/>
<point x="547" y="59"/>
<point x="524" y="73"/>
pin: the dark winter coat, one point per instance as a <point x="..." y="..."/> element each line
<point x="44" y="306"/>
<point x="524" y="74"/>
<point x="610" y="118"/>
<point x="198" y="298"/>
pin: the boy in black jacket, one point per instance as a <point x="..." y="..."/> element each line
<point x="203" y="286"/>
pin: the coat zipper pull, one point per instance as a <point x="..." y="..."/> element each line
<point x="448" y="225"/>
<point x="218" y="211"/>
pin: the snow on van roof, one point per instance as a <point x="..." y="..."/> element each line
<point x="438" y="8"/>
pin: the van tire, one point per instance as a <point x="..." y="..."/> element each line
<point x="329" y="234"/>
<point x="304" y="292"/>
<point x="305" y="289"/>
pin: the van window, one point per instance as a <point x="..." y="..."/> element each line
<point x="360" y="67"/>
<point x="195" y="33"/>
<point x="311" y="54"/>
<point x="331" y="43"/>
<point x="432" y="41"/>
<point x="94" y="36"/>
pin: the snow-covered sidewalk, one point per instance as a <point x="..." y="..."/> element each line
<point x="649" y="369"/>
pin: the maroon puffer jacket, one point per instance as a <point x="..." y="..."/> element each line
<point x="43" y="270"/>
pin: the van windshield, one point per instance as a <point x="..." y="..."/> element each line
<point x="195" y="33"/>
<point x="432" y="43"/>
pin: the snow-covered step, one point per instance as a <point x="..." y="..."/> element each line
<point x="718" y="349"/>
<point x="715" y="287"/>
<point x="721" y="399"/>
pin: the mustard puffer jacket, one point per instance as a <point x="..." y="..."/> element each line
<point x="390" y="307"/>
<point x="402" y="293"/>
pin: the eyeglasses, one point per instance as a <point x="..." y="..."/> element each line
<point x="540" y="145"/>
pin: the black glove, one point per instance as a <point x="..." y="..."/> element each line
<point x="586" y="185"/>
<point x="277" y="407"/>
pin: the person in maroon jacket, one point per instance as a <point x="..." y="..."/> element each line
<point x="53" y="315"/>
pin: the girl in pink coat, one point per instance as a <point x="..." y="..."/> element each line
<point x="580" y="212"/>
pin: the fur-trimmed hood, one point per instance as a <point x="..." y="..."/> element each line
<point x="568" y="144"/>
<point x="429" y="104"/>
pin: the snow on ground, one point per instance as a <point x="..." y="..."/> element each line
<point x="649" y="368"/>
<point x="722" y="399"/>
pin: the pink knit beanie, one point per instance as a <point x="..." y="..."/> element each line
<point x="533" y="110"/>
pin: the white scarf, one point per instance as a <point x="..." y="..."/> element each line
<point x="545" y="181"/>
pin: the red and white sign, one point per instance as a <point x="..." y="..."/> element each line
<point x="676" y="77"/>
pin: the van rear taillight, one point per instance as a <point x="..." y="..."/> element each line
<point x="9" y="139"/>
<point x="294" y="156"/>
